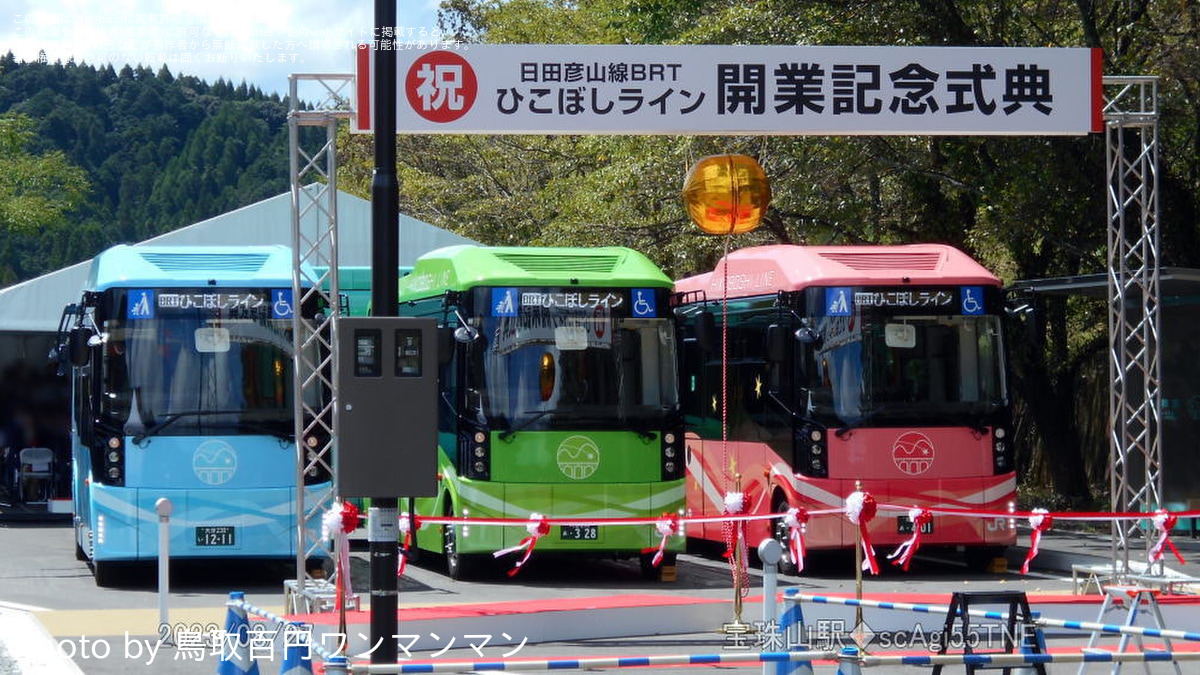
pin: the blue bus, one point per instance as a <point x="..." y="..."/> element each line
<point x="182" y="374"/>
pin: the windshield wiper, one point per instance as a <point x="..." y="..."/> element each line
<point x="265" y="428"/>
<point x="862" y="421"/>
<point x="640" y="427"/>
<point x="154" y="429"/>
<point x="515" y="429"/>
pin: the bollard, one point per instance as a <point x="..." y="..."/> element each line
<point x="770" y="553"/>
<point x="297" y="652"/>
<point x="163" y="508"/>
<point x="235" y="652"/>
<point x="848" y="662"/>
<point x="337" y="665"/>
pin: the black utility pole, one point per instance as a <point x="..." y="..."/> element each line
<point x="385" y="290"/>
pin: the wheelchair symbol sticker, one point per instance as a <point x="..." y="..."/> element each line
<point x="139" y="304"/>
<point x="281" y="303"/>
<point x="644" y="306"/>
<point x="972" y="300"/>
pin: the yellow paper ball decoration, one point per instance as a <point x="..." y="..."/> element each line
<point x="727" y="194"/>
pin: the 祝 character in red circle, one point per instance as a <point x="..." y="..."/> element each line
<point x="441" y="86"/>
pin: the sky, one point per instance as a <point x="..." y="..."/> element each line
<point x="259" y="41"/>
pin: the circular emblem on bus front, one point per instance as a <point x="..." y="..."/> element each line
<point x="913" y="453"/>
<point x="214" y="462"/>
<point x="578" y="457"/>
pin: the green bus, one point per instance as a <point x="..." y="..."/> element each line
<point x="558" y="397"/>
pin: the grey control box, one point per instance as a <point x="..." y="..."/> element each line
<point x="387" y="407"/>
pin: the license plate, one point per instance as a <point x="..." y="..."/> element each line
<point x="580" y="532"/>
<point x="904" y="525"/>
<point x="215" y="535"/>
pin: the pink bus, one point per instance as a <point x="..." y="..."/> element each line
<point x="875" y="365"/>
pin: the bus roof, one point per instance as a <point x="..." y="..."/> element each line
<point x="761" y="270"/>
<point x="189" y="266"/>
<point x="459" y="268"/>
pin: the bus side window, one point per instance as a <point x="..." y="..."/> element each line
<point x="629" y="370"/>
<point x="692" y="390"/>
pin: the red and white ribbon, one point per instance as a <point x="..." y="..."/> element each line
<point x="337" y="523"/>
<point x="735" y="503"/>
<point x="1040" y="521"/>
<point x="537" y="527"/>
<point x="735" y="540"/>
<point x="667" y="526"/>
<point x="1164" y="522"/>
<point x="904" y="553"/>
<point x="406" y="537"/>
<point x="796" y="521"/>
<point x="860" y="509"/>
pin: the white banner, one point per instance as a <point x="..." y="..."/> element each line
<point x="716" y="89"/>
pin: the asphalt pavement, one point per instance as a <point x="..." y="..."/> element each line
<point x="31" y="642"/>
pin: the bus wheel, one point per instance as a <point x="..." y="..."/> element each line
<point x="782" y="535"/>
<point x="107" y="574"/>
<point x="652" y="573"/>
<point x="458" y="565"/>
<point x="981" y="558"/>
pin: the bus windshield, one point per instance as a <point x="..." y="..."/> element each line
<point x="196" y="370"/>
<point x="558" y="367"/>
<point x="878" y="370"/>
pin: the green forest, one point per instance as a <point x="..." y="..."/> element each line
<point x="135" y="152"/>
<point x="94" y="156"/>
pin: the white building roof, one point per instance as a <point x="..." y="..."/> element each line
<point x="36" y="305"/>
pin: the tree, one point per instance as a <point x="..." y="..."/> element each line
<point x="37" y="190"/>
<point x="1028" y="208"/>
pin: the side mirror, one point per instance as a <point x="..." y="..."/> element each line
<point x="776" y="343"/>
<point x="446" y="343"/>
<point x="706" y="332"/>
<point x="809" y="336"/>
<point x="465" y="333"/>
<point x="79" y="349"/>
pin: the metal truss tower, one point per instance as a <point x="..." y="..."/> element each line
<point x="1131" y="130"/>
<point x="313" y="171"/>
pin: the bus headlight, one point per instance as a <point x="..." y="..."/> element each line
<point x="113" y="457"/>
<point x="318" y="456"/>
<point x="809" y="447"/>
<point x="668" y="452"/>
<point x="1002" y="451"/>
<point x="475" y="454"/>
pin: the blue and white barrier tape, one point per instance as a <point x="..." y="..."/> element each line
<point x="1039" y="621"/>
<point x="1027" y="659"/>
<point x="279" y="620"/>
<point x="594" y="662"/>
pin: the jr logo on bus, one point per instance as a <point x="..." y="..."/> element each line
<point x="214" y="462"/>
<point x="578" y="457"/>
<point x="913" y="453"/>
